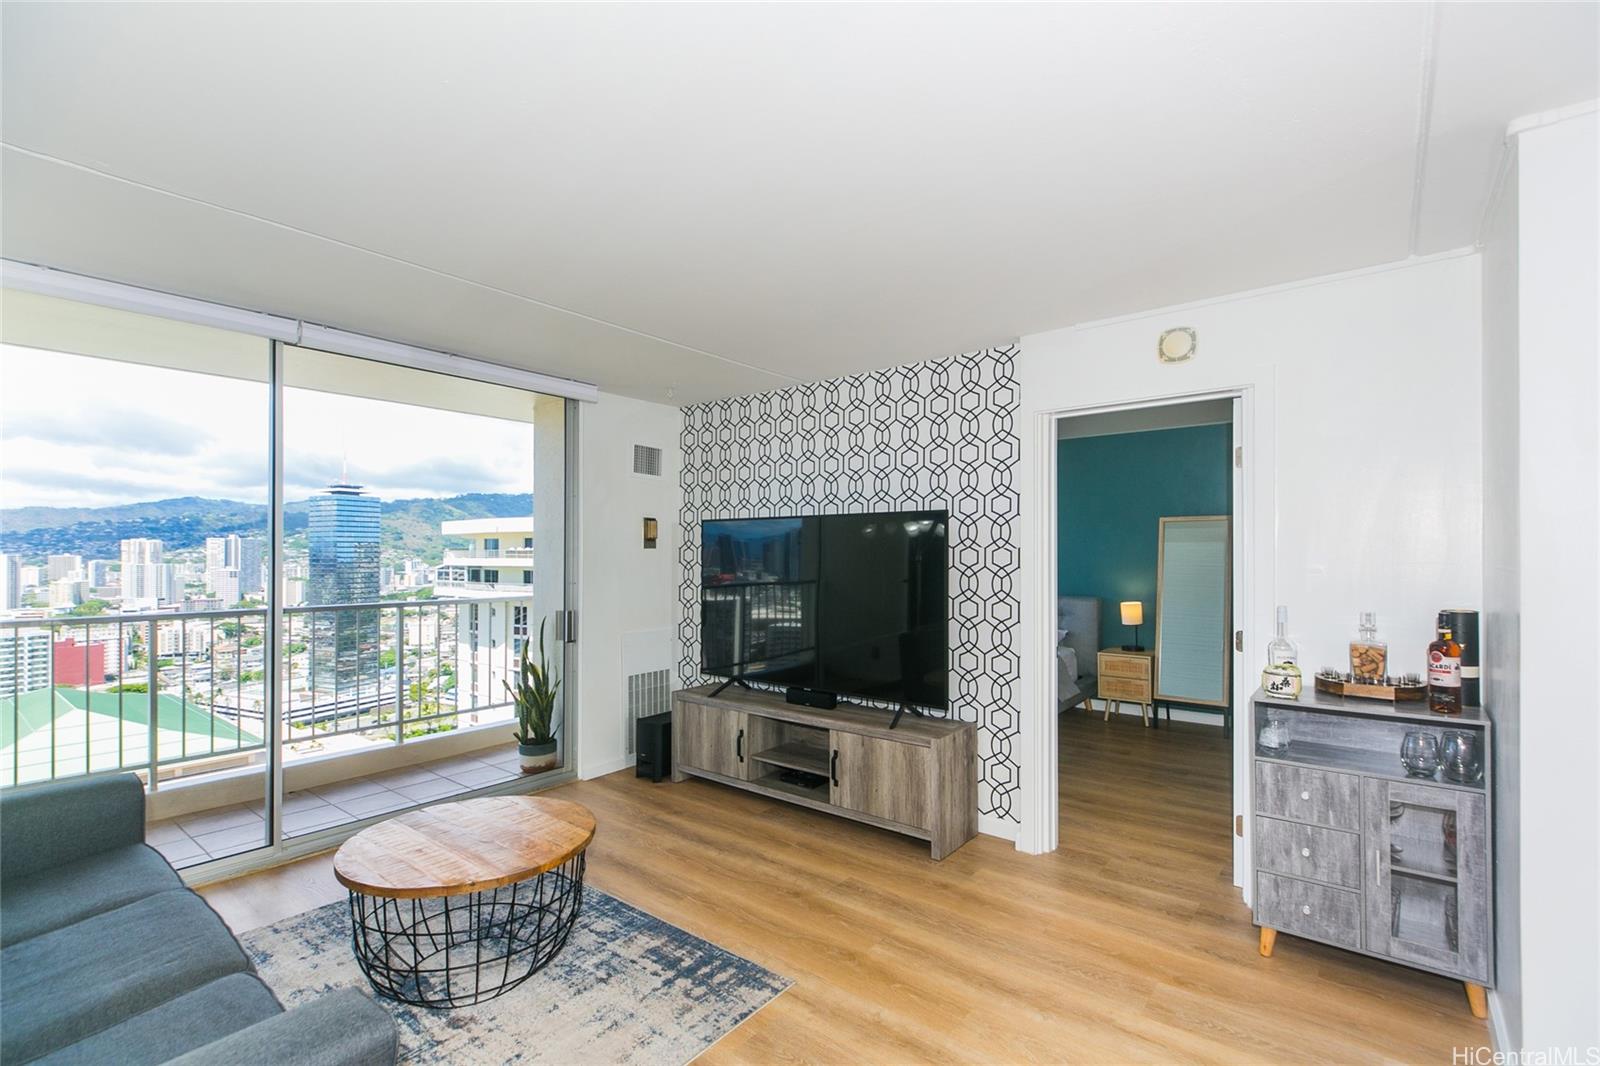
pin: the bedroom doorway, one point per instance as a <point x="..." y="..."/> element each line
<point x="1145" y="544"/>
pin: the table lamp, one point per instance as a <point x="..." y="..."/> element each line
<point x="1133" y="615"/>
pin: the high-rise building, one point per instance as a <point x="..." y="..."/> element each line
<point x="68" y="591"/>
<point x="60" y="566"/>
<point x="102" y="573"/>
<point x="24" y="660"/>
<point x="342" y="535"/>
<point x="234" y="552"/>
<point x="10" y="582"/>
<point x="147" y="581"/>
<point x="489" y="637"/>
<point x="80" y="664"/>
<point x="223" y="584"/>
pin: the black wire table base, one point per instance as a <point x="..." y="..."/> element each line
<point x="455" y="951"/>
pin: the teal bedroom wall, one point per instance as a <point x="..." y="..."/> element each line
<point x="1110" y="493"/>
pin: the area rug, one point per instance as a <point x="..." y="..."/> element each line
<point x="628" y="988"/>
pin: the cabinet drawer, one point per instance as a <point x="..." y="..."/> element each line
<point x="1301" y="794"/>
<point x="1331" y="915"/>
<point x="1122" y="688"/>
<point x="1125" y="666"/>
<point x="1308" y="851"/>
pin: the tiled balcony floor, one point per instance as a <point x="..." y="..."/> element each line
<point x="222" y="831"/>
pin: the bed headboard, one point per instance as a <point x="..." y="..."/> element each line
<point x="1080" y="617"/>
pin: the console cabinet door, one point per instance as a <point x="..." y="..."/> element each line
<point x="883" y="778"/>
<point x="712" y="739"/>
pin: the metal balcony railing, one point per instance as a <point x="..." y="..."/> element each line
<point x="462" y="555"/>
<point x="171" y="693"/>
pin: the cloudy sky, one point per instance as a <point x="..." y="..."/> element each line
<point x="77" y="431"/>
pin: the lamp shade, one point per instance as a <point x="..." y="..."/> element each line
<point x="1132" y="613"/>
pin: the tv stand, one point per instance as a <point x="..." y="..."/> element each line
<point x="731" y="681"/>
<point x="920" y="779"/>
<point x="902" y="709"/>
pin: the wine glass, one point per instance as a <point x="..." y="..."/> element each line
<point x="1419" y="754"/>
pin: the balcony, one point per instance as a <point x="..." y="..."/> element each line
<point x="380" y="706"/>
<point x="472" y="555"/>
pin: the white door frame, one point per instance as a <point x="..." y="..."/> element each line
<point x="1041" y="794"/>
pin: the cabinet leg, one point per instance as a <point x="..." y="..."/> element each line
<point x="1107" y="702"/>
<point x="1477" y="999"/>
<point x="1269" y="937"/>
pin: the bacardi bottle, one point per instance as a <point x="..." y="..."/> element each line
<point x="1444" y="672"/>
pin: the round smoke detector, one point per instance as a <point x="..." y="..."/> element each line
<point x="1176" y="345"/>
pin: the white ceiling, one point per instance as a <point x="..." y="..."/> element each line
<point x="715" y="199"/>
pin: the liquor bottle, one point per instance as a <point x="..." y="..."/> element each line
<point x="1369" y="656"/>
<point x="1444" y="672"/>
<point x="1282" y="674"/>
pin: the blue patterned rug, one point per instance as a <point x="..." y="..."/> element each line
<point x="627" y="988"/>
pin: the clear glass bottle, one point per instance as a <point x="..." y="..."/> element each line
<point x="1281" y="651"/>
<point x="1281" y="677"/>
<point x="1369" y="656"/>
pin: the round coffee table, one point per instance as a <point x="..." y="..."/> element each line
<point x="458" y="903"/>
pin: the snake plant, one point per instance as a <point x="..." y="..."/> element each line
<point x="535" y="697"/>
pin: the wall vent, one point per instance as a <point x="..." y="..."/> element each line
<point x="646" y="460"/>
<point x="648" y="693"/>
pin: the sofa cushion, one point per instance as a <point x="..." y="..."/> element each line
<point x="64" y="986"/>
<point x="69" y="893"/>
<point x="191" y="1020"/>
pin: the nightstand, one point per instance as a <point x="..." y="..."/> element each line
<point x="1128" y="676"/>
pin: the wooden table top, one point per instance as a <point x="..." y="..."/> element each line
<point x="454" y="848"/>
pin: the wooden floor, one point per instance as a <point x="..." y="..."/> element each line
<point x="1129" y="944"/>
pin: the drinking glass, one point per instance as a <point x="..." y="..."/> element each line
<point x="1461" y="756"/>
<point x="1419" y="754"/>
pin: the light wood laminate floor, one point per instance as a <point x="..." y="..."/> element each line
<point x="1129" y="944"/>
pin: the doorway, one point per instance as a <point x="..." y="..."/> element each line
<point x="1145" y="542"/>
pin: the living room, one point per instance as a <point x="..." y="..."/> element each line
<point x="552" y="533"/>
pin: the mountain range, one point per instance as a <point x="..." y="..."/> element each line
<point x="409" y="527"/>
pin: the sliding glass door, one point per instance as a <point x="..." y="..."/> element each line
<point x="291" y="589"/>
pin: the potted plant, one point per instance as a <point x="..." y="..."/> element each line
<point x="535" y="697"/>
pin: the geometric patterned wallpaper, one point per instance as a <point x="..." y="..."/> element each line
<point x="932" y="435"/>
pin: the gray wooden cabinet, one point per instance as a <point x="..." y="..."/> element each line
<point x="1351" y="851"/>
<point x="920" y="778"/>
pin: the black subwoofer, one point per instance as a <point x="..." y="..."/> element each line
<point x="652" y="744"/>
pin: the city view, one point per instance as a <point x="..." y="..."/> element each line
<point x="406" y="574"/>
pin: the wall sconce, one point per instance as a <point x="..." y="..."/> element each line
<point x="650" y="530"/>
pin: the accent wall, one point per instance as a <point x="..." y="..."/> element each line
<point x="1112" y="491"/>
<point x="933" y="435"/>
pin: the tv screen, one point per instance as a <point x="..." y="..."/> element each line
<point x="851" y="604"/>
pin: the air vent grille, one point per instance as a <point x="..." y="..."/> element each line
<point x="648" y="693"/>
<point x="646" y="460"/>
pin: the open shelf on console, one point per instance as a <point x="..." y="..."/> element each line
<point x="797" y="755"/>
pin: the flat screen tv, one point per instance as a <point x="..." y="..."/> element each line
<point x="855" y="605"/>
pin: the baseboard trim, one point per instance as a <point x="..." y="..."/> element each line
<point x="1499" y="1037"/>
<point x="1178" y="715"/>
<point x="994" y="826"/>
<point x="601" y="769"/>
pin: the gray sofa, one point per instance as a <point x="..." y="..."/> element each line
<point x="106" y="957"/>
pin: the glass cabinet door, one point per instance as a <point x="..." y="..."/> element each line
<point x="1427" y="897"/>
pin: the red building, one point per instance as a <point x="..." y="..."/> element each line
<point x="74" y="662"/>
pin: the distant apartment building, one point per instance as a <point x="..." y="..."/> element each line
<point x="32" y="577"/>
<point x="79" y="664"/>
<point x="68" y="592"/>
<point x="58" y="567"/>
<point x="223" y="584"/>
<point x="147" y="581"/>
<point x="234" y="552"/>
<point x="102" y="573"/>
<point x="10" y="582"/>
<point x="183" y="639"/>
<point x="342" y="534"/>
<point x="498" y="562"/>
<point x="24" y="661"/>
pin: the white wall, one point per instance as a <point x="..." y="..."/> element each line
<point x="1558" y="467"/>
<point x="625" y="589"/>
<point x="1362" y="432"/>
<point x="1502" y="599"/>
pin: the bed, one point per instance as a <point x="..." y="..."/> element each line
<point x="1077" y="650"/>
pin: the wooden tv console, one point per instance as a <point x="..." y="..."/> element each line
<point x="920" y="778"/>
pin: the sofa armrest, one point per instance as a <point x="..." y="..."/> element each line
<point x="342" y="1028"/>
<point x="63" y="821"/>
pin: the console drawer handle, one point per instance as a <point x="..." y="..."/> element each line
<point x="739" y="745"/>
<point x="833" y="768"/>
